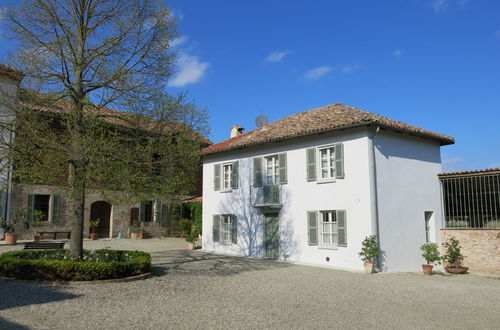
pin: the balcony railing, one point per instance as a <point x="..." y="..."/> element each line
<point x="266" y="196"/>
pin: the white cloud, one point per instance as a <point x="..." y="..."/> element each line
<point x="439" y="6"/>
<point x="277" y="55"/>
<point x="179" y="41"/>
<point x="350" y="68"/>
<point x="190" y="70"/>
<point x="317" y="73"/>
<point x="397" y="53"/>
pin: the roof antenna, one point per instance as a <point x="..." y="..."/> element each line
<point x="261" y="120"/>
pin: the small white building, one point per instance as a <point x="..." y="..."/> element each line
<point x="310" y="187"/>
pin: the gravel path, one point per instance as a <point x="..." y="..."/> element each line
<point x="198" y="290"/>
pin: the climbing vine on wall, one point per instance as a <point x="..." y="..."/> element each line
<point x="195" y="210"/>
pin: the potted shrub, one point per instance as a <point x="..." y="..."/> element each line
<point x="9" y="227"/>
<point x="369" y="252"/>
<point x="431" y="256"/>
<point x="453" y="257"/>
<point x="191" y="239"/>
<point x="134" y="230"/>
<point x="93" y="224"/>
<point x="142" y="233"/>
<point x="38" y="218"/>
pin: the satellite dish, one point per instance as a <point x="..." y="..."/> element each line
<point x="261" y="121"/>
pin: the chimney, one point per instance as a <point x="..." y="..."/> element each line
<point x="236" y="130"/>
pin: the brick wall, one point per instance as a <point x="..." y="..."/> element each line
<point x="481" y="248"/>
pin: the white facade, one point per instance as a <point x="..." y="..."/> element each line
<point x="387" y="189"/>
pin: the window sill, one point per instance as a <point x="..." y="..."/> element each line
<point x="325" y="181"/>
<point x="327" y="247"/>
<point x="226" y="191"/>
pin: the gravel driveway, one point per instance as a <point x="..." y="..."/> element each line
<point x="196" y="290"/>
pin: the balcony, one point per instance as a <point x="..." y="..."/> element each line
<point x="266" y="196"/>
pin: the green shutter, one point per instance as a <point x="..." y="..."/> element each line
<point x="311" y="164"/>
<point x="142" y="211"/>
<point x="31" y="207"/>
<point x="158" y="211"/>
<point x="55" y="209"/>
<point x="257" y="172"/>
<point x="283" y="172"/>
<point x="234" y="229"/>
<point x="215" y="228"/>
<point x="217" y="177"/>
<point x="234" y="175"/>
<point x="342" y="227"/>
<point x="339" y="160"/>
<point x="312" y="227"/>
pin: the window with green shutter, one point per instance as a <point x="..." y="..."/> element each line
<point x="339" y="160"/>
<point x="234" y="174"/>
<point x="312" y="228"/>
<point x="257" y="172"/>
<point x="55" y="209"/>
<point x="311" y="164"/>
<point x="217" y="168"/>
<point x="30" y="207"/>
<point x="215" y="228"/>
<point x="234" y="229"/>
<point x="342" y="227"/>
<point x="283" y="175"/>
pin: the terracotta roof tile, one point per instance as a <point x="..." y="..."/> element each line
<point x="323" y="119"/>
<point x="487" y="171"/>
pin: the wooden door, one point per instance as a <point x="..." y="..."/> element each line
<point x="271" y="236"/>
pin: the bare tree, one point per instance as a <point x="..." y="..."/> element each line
<point x="92" y="54"/>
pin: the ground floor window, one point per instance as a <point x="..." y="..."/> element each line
<point x="150" y="211"/>
<point x="328" y="229"/>
<point x="225" y="228"/>
<point x="43" y="208"/>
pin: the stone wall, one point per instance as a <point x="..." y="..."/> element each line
<point x="481" y="248"/>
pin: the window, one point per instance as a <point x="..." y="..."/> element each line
<point x="224" y="229"/>
<point x="327" y="163"/>
<point x="328" y="229"/>
<point x="272" y="170"/>
<point x="227" y="172"/>
<point x="43" y="207"/>
<point x="150" y="211"/>
<point x="226" y="176"/>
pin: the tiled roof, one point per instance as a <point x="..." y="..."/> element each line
<point x="198" y="199"/>
<point x="11" y="73"/>
<point x="487" y="171"/>
<point x="323" y="119"/>
<point x="44" y="103"/>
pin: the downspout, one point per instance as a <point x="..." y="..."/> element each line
<point x="373" y="191"/>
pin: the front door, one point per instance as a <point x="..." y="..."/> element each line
<point x="101" y="210"/>
<point x="271" y="235"/>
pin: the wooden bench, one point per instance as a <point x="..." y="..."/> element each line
<point x="43" y="245"/>
<point x="53" y="234"/>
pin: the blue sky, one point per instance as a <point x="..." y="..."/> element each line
<point x="430" y="63"/>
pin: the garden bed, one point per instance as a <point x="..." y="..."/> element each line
<point x="59" y="265"/>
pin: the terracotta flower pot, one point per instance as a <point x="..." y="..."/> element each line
<point x="10" y="238"/>
<point x="133" y="235"/>
<point x="427" y="269"/>
<point x="456" y="270"/>
<point x="93" y="236"/>
<point x="368" y="267"/>
<point x="190" y="245"/>
<point x="143" y="235"/>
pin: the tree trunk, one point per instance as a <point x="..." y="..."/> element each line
<point x="77" y="187"/>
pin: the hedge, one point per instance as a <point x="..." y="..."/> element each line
<point x="58" y="264"/>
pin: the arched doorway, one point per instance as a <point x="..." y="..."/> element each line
<point x="101" y="210"/>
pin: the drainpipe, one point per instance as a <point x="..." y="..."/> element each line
<point x="373" y="190"/>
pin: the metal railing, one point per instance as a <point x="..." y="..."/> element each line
<point x="472" y="201"/>
<point x="266" y="196"/>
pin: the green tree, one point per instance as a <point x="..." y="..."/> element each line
<point x="86" y="56"/>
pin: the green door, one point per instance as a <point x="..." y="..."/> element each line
<point x="271" y="235"/>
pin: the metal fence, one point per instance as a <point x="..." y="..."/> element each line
<point x="472" y="201"/>
<point x="266" y="195"/>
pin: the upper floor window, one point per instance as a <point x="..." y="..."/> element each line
<point x="226" y="176"/>
<point x="272" y="169"/>
<point x="331" y="163"/>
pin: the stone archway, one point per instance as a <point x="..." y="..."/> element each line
<point x="101" y="210"/>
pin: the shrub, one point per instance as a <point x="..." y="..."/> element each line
<point x="51" y="265"/>
<point x="431" y="253"/>
<point x="453" y="255"/>
<point x="369" y="250"/>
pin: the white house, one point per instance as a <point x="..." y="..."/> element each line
<point x="310" y="187"/>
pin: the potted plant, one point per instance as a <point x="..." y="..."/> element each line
<point x="93" y="224"/>
<point x="134" y="230"/>
<point x="9" y="227"/>
<point x="142" y="233"/>
<point x="369" y="252"/>
<point x="38" y="218"/>
<point x="431" y="256"/>
<point x="191" y="239"/>
<point x="453" y="257"/>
